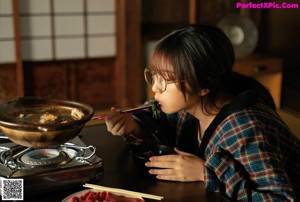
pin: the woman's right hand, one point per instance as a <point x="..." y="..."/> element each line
<point x="120" y="123"/>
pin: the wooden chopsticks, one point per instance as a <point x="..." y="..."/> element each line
<point x="101" y="117"/>
<point x="123" y="191"/>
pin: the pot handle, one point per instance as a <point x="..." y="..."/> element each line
<point x="82" y="158"/>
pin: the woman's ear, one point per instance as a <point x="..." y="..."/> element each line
<point x="203" y="92"/>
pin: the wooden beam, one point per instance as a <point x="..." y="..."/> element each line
<point x="192" y="11"/>
<point x="18" y="50"/>
<point x="120" y="73"/>
<point x="129" y="72"/>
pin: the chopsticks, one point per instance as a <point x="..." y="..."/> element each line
<point x="123" y="191"/>
<point x="101" y="117"/>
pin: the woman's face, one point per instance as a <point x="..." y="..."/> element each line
<point x="172" y="99"/>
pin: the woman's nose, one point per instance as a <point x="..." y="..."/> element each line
<point x="155" y="87"/>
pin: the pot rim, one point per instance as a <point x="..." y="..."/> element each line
<point x="24" y="102"/>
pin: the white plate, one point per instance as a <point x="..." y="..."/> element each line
<point x="80" y="193"/>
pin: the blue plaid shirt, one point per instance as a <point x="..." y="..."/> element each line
<point x="249" y="153"/>
<point x="252" y="156"/>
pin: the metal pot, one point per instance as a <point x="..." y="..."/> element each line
<point x="35" y="134"/>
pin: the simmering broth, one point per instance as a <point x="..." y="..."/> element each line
<point x="42" y="115"/>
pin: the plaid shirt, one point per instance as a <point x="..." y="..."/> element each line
<point x="252" y="156"/>
<point x="249" y="153"/>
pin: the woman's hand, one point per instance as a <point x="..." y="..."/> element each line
<point x="182" y="167"/>
<point x="120" y="123"/>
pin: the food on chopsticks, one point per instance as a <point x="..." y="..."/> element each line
<point x="103" y="196"/>
<point x="46" y="115"/>
<point x="155" y="109"/>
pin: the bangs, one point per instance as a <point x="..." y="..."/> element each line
<point x="171" y="64"/>
<point x="161" y="63"/>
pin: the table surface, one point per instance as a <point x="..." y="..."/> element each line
<point x="120" y="171"/>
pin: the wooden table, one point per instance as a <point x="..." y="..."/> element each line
<point x="120" y="171"/>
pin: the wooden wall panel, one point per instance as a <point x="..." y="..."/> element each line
<point x="46" y="80"/>
<point x="89" y="81"/>
<point x="95" y="83"/>
<point x="8" y="85"/>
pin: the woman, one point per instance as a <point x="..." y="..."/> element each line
<point x="223" y="125"/>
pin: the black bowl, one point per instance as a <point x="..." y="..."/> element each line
<point x="142" y="153"/>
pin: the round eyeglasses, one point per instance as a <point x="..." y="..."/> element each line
<point x="161" y="83"/>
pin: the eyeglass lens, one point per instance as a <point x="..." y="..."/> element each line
<point x="151" y="77"/>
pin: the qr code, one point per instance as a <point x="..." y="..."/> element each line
<point x="12" y="189"/>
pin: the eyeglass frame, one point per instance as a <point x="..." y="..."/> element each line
<point x="166" y="82"/>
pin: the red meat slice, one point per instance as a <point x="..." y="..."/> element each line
<point x="103" y="196"/>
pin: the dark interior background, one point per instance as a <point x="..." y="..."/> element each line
<point x="282" y="39"/>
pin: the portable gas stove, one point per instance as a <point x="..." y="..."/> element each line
<point x="48" y="169"/>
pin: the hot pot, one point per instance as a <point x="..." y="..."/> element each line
<point x="35" y="134"/>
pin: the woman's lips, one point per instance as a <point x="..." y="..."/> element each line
<point x="159" y="104"/>
<point x="157" y="100"/>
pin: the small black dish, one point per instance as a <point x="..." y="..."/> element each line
<point x="142" y="153"/>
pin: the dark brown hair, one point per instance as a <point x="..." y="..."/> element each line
<point x="201" y="55"/>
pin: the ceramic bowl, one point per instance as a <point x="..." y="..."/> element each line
<point x="142" y="153"/>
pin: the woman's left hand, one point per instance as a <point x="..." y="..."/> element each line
<point x="177" y="167"/>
